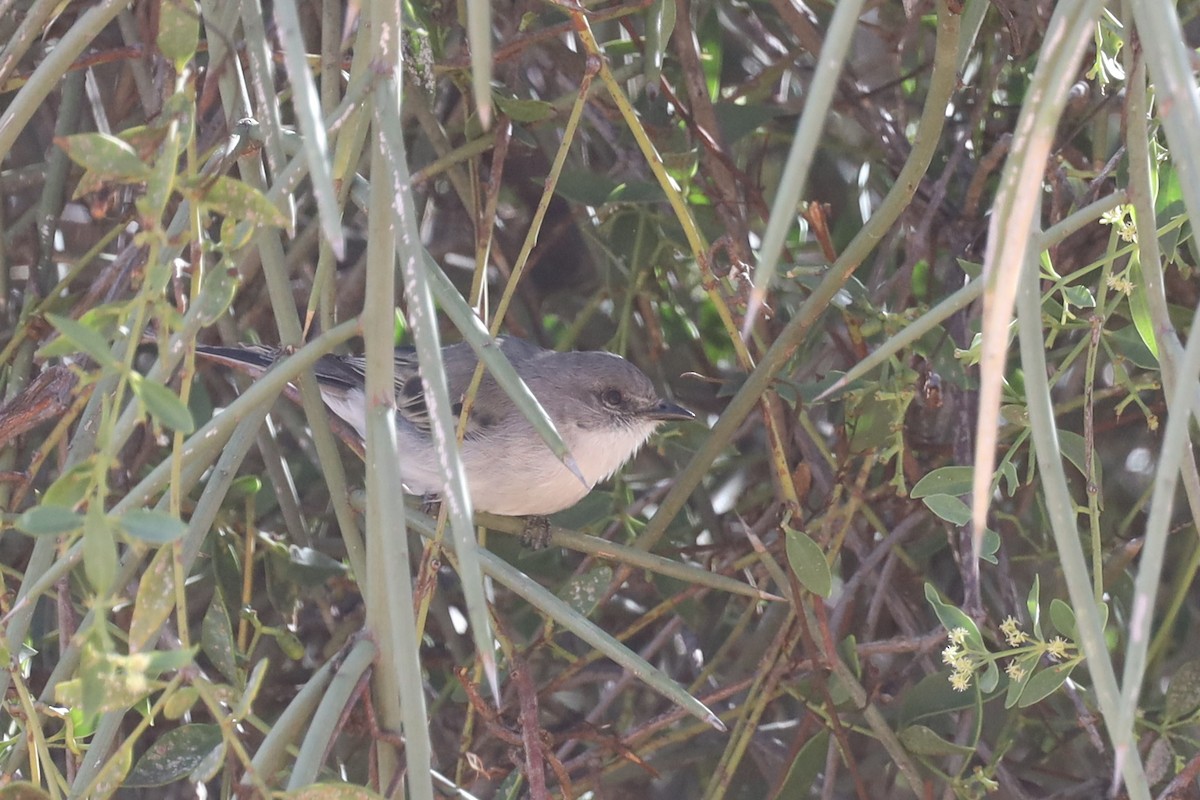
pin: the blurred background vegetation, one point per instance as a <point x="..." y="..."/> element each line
<point x="792" y="216"/>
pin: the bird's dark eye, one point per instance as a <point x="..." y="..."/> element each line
<point x="612" y="398"/>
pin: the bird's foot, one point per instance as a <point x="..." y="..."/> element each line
<point x="536" y="535"/>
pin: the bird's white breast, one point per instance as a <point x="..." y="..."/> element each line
<point x="530" y="479"/>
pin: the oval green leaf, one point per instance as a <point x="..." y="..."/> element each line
<point x="523" y="110"/>
<point x="989" y="679"/>
<point x="178" y="31"/>
<point x="23" y="790"/>
<point x="49" y="521"/>
<point x="217" y="640"/>
<point x="1063" y="617"/>
<point x="152" y="527"/>
<point x="174" y="755"/>
<point x="99" y="552"/>
<point x="85" y="339"/>
<point x="69" y="488"/>
<point x="949" y="508"/>
<point x="952" y="618"/>
<point x="155" y="600"/>
<point x="164" y="405"/>
<point x="106" y="156"/>
<point x="945" y="480"/>
<point x="584" y="592"/>
<point x="241" y="201"/>
<point x="808" y="563"/>
<point x="1183" y="692"/>
<point x="1044" y="683"/>
<point x="924" y="741"/>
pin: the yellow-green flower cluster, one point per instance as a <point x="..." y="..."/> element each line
<point x="959" y="660"/>
<point x="963" y="661"/>
<point x="1122" y="221"/>
<point x="1012" y="632"/>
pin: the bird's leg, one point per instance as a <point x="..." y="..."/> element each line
<point x="536" y="534"/>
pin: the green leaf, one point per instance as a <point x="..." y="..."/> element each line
<point x="99" y="551"/>
<point x="712" y="49"/>
<point x="181" y="701"/>
<point x="217" y="642"/>
<point x="49" y="521"/>
<point x="161" y="182"/>
<point x="23" y="790"/>
<point x="808" y="563"/>
<point x="241" y="201"/>
<point x="1072" y="445"/>
<point x="1027" y="662"/>
<point x="949" y="508"/>
<point x="154" y="601"/>
<point x="85" y="339"/>
<point x="1011" y="481"/>
<point x="1045" y="683"/>
<point x="253" y="685"/>
<point x="523" y="110"/>
<point x="1079" y="296"/>
<point x="303" y="566"/>
<point x="111" y="681"/>
<point x="288" y="643"/>
<point x="805" y="768"/>
<point x="217" y="292"/>
<point x="660" y="23"/>
<point x="924" y="741"/>
<point x="71" y="487"/>
<point x="244" y="486"/>
<point x="159" y="661"/>
<point x="588" y="188"/>
<point x="989" y="679"/>
<point x="209" y="766"/>
<point x="584" y="592"/>
<point x="934" y="697"/>
<point x="1063" y="617"/>
<point x="737" y="119"/>
<point x="112" y="776"/>
<point x="990" y="546"/>
<point x="1131" y="344"/>
<point x="152" y="527"/>
<point x="174" y="755"/>
<point x="952" y="618"/>
<point x="1139" y="306"/>
<point x="953" y="481"/>
<point x="1034" y="606"/>
<point x="1183" y="692"/>
<point x="106" y="156"/>
<point x="178" y="31"/>
<point x="871" y="422"/>
<point x="163" y="404"/>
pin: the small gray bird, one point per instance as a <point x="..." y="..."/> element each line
<point x="603" y="407"/>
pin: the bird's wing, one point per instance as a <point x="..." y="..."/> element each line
<point x="252" y="359"/>
<point x="458" y="361"/>
<point x="491" y="404"/>
<point x="346" y="374"/>
<point x="343" y="379"/>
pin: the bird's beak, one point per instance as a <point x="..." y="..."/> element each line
<point x="666" y="410"/>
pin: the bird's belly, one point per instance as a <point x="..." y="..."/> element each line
<point x="511" y="486"/>
<point x="521" y="476"/>
<point x="512" y="494"/>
